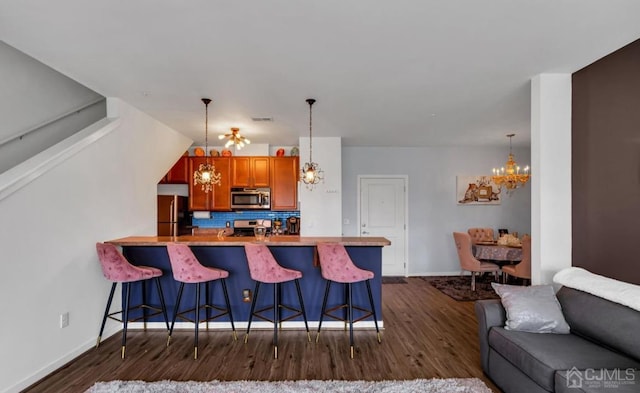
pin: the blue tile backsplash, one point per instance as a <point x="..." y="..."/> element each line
<point x="219" y="219"/>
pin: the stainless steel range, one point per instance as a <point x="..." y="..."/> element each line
<point x="245" y="227"/>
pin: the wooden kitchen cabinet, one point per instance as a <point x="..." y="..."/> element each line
<point x="284" y="183"/>
<point x="250" y="172"/>
<point x="178" y="174"/>
<point x="219" y="199"/>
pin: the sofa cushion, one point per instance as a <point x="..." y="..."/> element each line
<point x="598" y="381"/>
<point x="531" y="309"/>
<point x="609" y="323"/>
<point x="541" y="355"/>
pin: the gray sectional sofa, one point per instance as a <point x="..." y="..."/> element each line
<point x="601" y="354"/>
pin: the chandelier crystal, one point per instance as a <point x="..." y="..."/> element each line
<point x="206" y="175"/>
<point x="235" y="138"/>
<point x="510" y="176"/>
<point x="311" y="172"/>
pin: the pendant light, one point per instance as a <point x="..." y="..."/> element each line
<point x="311" y="172"/>
<point x="206" y="174"/>
<point x="510" y="175"/>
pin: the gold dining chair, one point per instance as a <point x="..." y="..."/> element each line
<point x="523" y="268"/>
<point x="468" y="262"/>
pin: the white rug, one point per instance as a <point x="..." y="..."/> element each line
<point x="451" y="385"/>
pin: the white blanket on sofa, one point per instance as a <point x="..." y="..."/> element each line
<point x="604" y="287"/>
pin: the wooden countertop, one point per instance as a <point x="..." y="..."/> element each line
<point x="285" y="240"/>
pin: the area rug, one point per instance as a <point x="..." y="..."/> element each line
<point x="451" y="385"/>
<point x="459" y="288"/>
<point x="393" y="280"/>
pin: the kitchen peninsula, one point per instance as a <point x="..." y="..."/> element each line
<point x="293" y="252"/>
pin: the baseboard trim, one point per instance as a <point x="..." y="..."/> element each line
<point x="59" y="363"/>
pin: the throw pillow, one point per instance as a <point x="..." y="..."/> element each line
<point x="532" y="309"/>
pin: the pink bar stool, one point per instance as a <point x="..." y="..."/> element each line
<point x="117" y="269"/>
<point x="187" y="270"/>
<point x="264" y="269"/>
<point x="337" y="266"/>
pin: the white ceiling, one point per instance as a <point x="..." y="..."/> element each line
<point x="385" y="73"/>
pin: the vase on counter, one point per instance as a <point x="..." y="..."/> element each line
<point x="259" y="231"/>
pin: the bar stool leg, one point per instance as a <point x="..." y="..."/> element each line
<point x="253" y="307"/>
<point x="324" y="308"/>
<point x="163" y="305"/>
<point x="347" y="290"/>
<point x="226" y="299"/>
<point x="373" y="309"/>
<point x="207" y="310"/>
<point x="106" y="313"/>
<point x="197" y="321"/>
<point x="125" y="317"/>
<point x="304" y="313"/>
<point x="176" y="308"/>
<point x="144" y="302"/>
<point x="350" y="312"/>
<point x="276" y="319"/>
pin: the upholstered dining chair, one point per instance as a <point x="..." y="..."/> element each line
<point x="481" y="235"/>
<point x="468" y="262"/>
<point x="336" y="266"/>
<point x="264" y="269"/>
<point x="523" y="268"/>
<point x="188" y="270"/>
<point x="117" y="269"/>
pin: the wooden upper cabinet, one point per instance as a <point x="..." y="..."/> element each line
<point x="250" y="172"/>
<point x="219" y="198"/>
<point x="284" y="183"/>
<point x="178" y="174"/>
<point x="222" y="193"/>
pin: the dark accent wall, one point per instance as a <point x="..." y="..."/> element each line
<point x="606" y="165"/>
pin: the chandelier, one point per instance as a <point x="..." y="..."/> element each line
<point x="206" y="174"/>
<point x="311" y="172"/>
<point x="509" y="176"/>
<point x="235" y="138"/>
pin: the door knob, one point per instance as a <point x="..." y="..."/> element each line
<point x="365" y="232"/>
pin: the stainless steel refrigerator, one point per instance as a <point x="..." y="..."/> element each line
<point x="173" y="215"/>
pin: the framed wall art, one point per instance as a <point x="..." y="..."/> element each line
<point x="477" y="190"/>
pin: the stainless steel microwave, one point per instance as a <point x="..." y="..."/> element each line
<point x="251" y="198"/>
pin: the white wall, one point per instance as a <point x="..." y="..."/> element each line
<point x="31" y="94"/>
<point x="551" y="195"/>
<point x="433" y="212"/>
<point x="321" y="208"/>
<point x="51" y="225"/>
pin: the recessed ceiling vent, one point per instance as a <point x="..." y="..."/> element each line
<point x="262" y="118"/>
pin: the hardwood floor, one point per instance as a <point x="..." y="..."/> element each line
<point x="427" y="335"/>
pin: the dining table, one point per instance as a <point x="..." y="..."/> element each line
<point x="497" y="253"/>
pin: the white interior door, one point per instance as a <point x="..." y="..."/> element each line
<point x="383" y="213"/>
